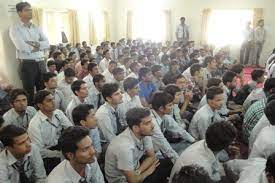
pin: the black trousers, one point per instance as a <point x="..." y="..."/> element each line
<point x="30" y="72"/>
<point x="244" y="52"/>
<point x="161" y="173"/>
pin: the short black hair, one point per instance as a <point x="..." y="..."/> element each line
<point x="257" y="73"/>
<point x="47" y="76"/>
<point x="213" y="82"/>
<point x="1" y="121"/>
<point x="237" y="68"/>
<point x="9" y="132"/>
<point x="212" y="92"/>
<point x="16" y="92"/>
<point x="161" y="99"/>
<point x="130" y="83"/>
<point x="76" y="85"/>
<point x="133" y="65"/>
<point x="91" y="66"/>
<point x="40" y="96"/>
<point x="172" y="89"/>
<point x="50" y="63"/>
<point x="20" y="6"/>
<point x="97" y="78"/>
<point x="228" y="76"/>
<point x="270" y="112"/>
<point x="194" y="68"/>
<point x="81" y="112"/>
<point x="106" y="51"/>
<point x="208" y="60"/>
<point x="142" y="72"/>
<point x="108" y="90"/>
<point x="71" y="54"/>
<point x="70" y="137"/>
<point x="84" y="61"/>
<point x="56" y="54"/>
<point x="192" y="174"/>
<point x="220" y="135"/>
<point x="269" y="84"/>
<point x="69" y="72"/>
<point x="155" y="68"/>
<point x="112" y="62"/>
<point x="82" y="55"/>
<point x="270" y="165"/>
<point x="135" y="115"/>
<point x="118" y="70"/>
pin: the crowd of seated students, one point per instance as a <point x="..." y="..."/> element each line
<point x="139" y="111"/>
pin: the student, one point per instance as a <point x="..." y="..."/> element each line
<point x="83" y="72"/>
<point x="173" y="72"/>
<point x="45" y="129"/>
<point x="118" y="74"/>
<point x="108" y="116"/>
<point x="264" y="144"/>
<point x="257" y="76"/>
<point x="51" y="67"/>
<point x="208" y="114"/>
<point x="108" y="73"/>
<point x="84" y="115"/>
<point x="134" y="67"/>
<point x="124" y="154"/>
<point x="95" y="94"/>
<point x="130" y="98"/>
<point x="103" y="64"/>
<point x="210" y="66"/>
<point x="166" y="128"/>
<point x="203" y="153"/>
<point x="20" y="114"/>
<point x="192" y="174"/>
<point x="259" y="93"/>
<point x="65" y="85"/>
<point x="50" y="83"/>
<point x="182" y="33"/>
<point x="93" y="70"/>
<point x="20" y="161"/>
<point x="146" y="85"/>
<point x="80" y="164"/>
<point x="80" y="90"/>
<point x="157" y="77"/>
<point x="195" y="80"/>
<point x="238" y="69"/>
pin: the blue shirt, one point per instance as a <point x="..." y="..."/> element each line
<point x="146" y="90"/>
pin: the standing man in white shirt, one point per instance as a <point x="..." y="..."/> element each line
<point x="260" y="37"/>
<point x="182" y="33"/>
<point x="30" y="43"/>
<point x="246" y="45"/>
<point x="80" y="164"/>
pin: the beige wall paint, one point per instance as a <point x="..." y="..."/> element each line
<point x="192" y="10"/>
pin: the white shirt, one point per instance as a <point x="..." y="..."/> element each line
<point x="94" y="95"/>
<point x="182" y="31"/>
<point x="33" y="167"/>
<point x="264" y="144"/>
<point x="124" y="153"/>
<point x="11" y="117"/>
<point x="260" y="34"/>
<point x="20" y="33"/>
<point x="89" y="80"/>
<point x="256" y="94"/>
<point x="132" y="75"/>
<point x="262" y="123"/>
<point x="45" y="132"/>
<point x="103" y="65"/>
<point x="199" y="154"/>
<point x="65" y="173"/>
<point x="202" y="119"/>
<point x="65" y="88"/>
<point x="187" y="74"/>
<point x="108" y="76"/>
<point x="248" y="34"/>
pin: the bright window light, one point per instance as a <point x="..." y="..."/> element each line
<point x="149" y="25"/>
<point x="98" y="19"/>
<point x="226" y="27"/>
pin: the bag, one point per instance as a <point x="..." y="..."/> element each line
<point x="242" y="94"/>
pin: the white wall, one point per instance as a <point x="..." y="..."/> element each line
<point x="192" y="10"/>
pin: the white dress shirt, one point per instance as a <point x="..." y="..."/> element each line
<point x="44" y="132"/>
<point x="103" y="65"/>
<point x="262" y="123"/>
<point x="11" y="117"/>
<point x="89" y="80"/>
<point x="65" y="173"/>
<point x="199" y="154"/>
<point x="108" y="76"/>
<point x="21" y="33"/>
<point x="65" y="88"/>
<point x="33" y="167"/>
<point x="264" y="144"/>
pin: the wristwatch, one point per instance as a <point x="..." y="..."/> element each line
<point x="137" y="172"/>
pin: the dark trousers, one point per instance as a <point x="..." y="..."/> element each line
<point x="244" y="52"/>
<point x="259" y="48"/>
<point x="51" y="163"/>
<point x="30" y="72"/>
<point x="161" y="173"/>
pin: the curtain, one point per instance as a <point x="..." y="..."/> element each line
<point x="129" y="28"/>
<point x="106" y="26"/>
<point x="204" y="27"/>
<point x="37" y="16"/>
<point x="168" y="25"/>
<point x="257" y="15"/>
<point x="73" y="27"/>
<point x="92" y="31"/>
